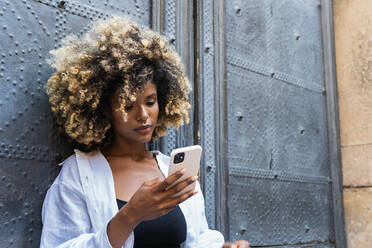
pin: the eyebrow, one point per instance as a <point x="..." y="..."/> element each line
<point x="151" y="96"/>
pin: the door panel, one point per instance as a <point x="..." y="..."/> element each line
<point x="279" y="190"/>
<point x="30" y="147"/>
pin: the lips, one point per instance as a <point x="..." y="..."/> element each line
<point x="143" y="129"/>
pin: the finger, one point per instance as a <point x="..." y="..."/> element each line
<point x="168" y="209"/>
<point x="169" y="180"/>
<point x="180" y="186"/>
<point x="152" y="182"/>
<point x="179" y="199"/>
<point x="226" y="245"/>
<point x="242" y="244"/>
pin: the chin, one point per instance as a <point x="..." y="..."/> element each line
<point x="145" y="138"/>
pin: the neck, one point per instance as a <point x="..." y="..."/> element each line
<point x="126" y="148"/>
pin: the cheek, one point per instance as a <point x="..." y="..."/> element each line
<point x="156" y="112"/>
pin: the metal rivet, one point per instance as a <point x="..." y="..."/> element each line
<point x="239" y="116"/>
<point x="238" y="10"/>
<point x="207" y="49"/>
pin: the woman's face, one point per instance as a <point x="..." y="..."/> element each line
<point x="142" y="115"/>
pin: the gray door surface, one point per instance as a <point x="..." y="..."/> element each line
<point x="277" y="146"/>
<point x="30" y="147"/>
<point x="264" y="112"/>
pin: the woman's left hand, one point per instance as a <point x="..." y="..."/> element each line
<point x="236" y="244"/>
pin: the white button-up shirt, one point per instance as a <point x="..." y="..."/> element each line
<point x="81" y="202"/>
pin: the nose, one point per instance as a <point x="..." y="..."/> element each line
<point x="143" y="114"/>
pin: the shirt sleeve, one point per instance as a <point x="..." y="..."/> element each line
<point x="203" y="236"/>
<point x="66" y="222"/>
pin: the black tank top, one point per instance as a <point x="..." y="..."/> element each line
<point x="167" y="231"/>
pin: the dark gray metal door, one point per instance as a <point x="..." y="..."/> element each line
<point x="30" y="147"/>
<point x="263" y="86"/>
<point x="278" y="175"/>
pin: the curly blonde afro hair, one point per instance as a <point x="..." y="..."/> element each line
<point x="114" y="54"/>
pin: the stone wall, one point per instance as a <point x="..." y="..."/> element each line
<point x="353" y="47"/>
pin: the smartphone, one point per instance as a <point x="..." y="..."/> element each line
<point x="186" y="157"/>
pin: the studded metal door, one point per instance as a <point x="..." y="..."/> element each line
<point x="30" y="146"/>
<point x="278" y="190"/>
<point x="265" y="113"/>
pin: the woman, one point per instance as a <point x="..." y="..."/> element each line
<point x="115" y="89"/>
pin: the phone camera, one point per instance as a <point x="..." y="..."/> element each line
<point x="179" y="157"/>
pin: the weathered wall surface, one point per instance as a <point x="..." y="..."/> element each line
<point x="353" y="44"/>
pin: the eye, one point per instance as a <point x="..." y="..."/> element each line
<point x="128" y="107"/>
<point x="151" y="103"/>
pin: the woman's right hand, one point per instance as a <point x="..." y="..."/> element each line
<point x="154" y="199"/>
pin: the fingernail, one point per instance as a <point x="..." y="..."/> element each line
<point x="182" y="171"/>
<point x="193" y="179"/>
